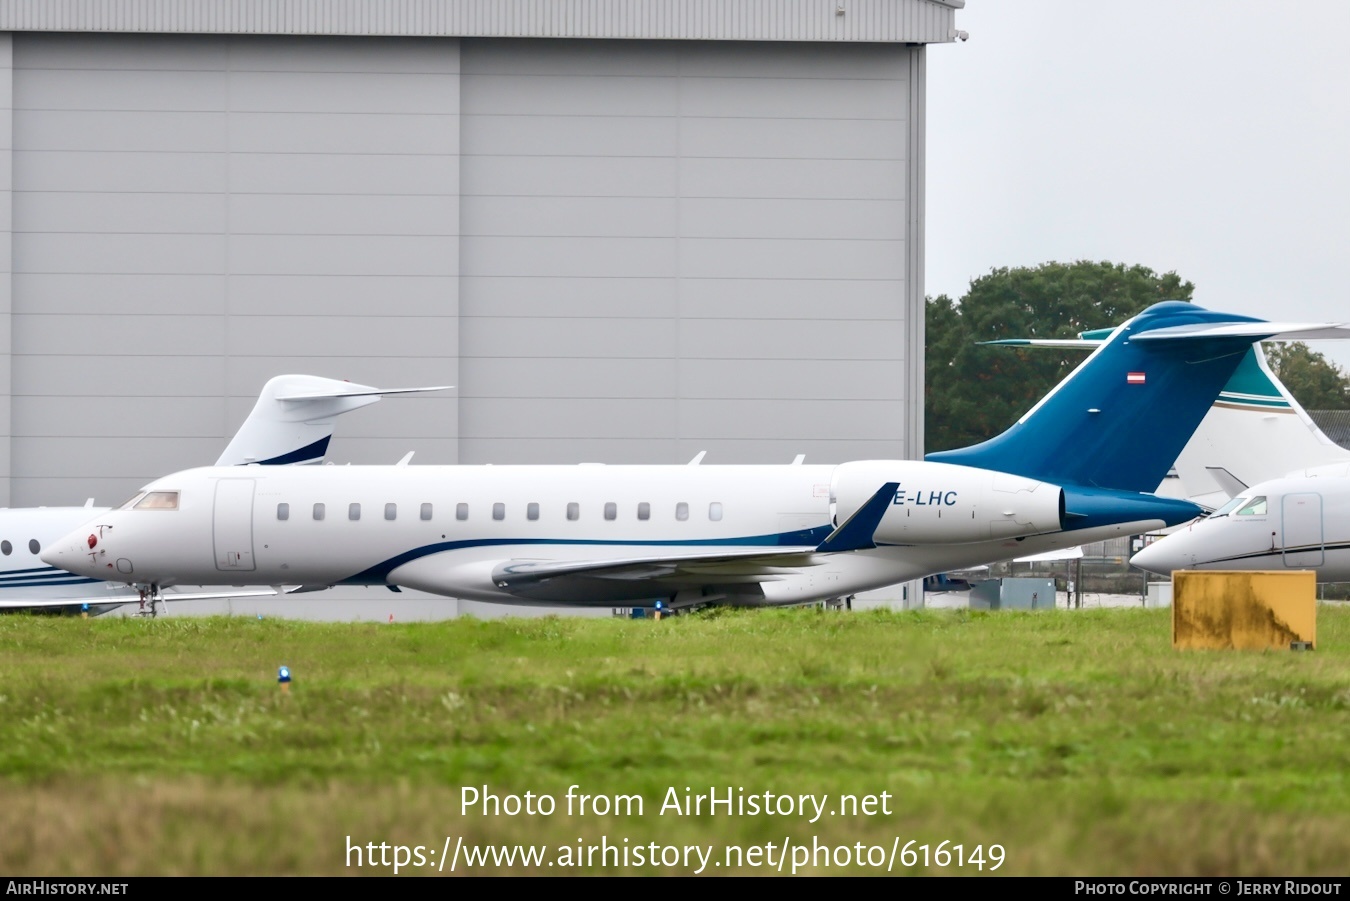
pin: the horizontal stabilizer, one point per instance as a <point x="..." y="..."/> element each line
<point x="1082" y="343"/>
<point x="1273" y="331"/>
<point x="357" y="391"/>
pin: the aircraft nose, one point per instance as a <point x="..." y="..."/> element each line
<point x="1161" y="558"/>
<point x="63" y="554"/>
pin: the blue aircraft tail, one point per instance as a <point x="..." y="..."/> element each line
<point x="1121" y="418"/>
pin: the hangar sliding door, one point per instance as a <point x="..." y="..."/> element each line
<point x="671" y="247"/>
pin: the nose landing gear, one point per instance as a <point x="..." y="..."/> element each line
<point x="151" y="601"/>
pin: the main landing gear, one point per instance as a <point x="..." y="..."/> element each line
<point x="844" y="603"/>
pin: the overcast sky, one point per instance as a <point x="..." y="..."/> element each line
<point x="1206" y="137"/>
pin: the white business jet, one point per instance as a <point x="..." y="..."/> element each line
<point x="1074" y="469"/>
<point x="291" y="423"/>
<point x="1301" y="521"/>
<point x="1289" y="509"/>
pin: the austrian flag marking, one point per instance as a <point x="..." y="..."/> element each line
<point x="1134" y="378"/>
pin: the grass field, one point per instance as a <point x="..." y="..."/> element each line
<point x="1078" y="741"/>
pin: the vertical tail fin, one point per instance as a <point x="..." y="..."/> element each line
<point x="1123" y="416"/>
<point x="292" y="421"/>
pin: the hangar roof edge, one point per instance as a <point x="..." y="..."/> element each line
<point x="877" y="21"/>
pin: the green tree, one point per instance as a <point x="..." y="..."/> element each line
<point x="974" y="392"/>
<point x="1316" y="382"/>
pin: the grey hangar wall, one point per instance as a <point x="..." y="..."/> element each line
<point x="616" y="250"/>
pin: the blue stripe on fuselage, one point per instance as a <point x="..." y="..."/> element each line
<point x="377" y="574"/>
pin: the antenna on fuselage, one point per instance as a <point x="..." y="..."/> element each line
<point x="698" y="458"/>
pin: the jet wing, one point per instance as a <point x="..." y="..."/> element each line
<point x="645" y="575"/>
<point x="44" y="603"/>
<point x="116" y="600"/>
<point x="172" y="595"/>
<point x="352" y="390"/>
<point x="749" y="564"/>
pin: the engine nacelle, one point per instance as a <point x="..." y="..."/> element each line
<point x="941" y="503"/>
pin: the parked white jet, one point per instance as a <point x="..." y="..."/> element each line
<point x="1299" y="522"/>
<point x="291" y="423"/>
<point x="1072" y="470"/>
<point x="1291" y="511"/>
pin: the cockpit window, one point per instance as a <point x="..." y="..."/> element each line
<point x="1229" y="507"/>
<point x="133" y="502"/>
<point x="1255" y="507"/>
<point x="158" y="500"/>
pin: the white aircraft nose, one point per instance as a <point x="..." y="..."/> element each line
<point x="61" y="555"/>
<point x="1159" y="558"/>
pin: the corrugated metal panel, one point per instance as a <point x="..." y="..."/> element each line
<point x="670" y="246"/>
<point x="885" y="21"/>
<point x="311" y="228"/>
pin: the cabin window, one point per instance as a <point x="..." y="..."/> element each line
<point x="574" y="511"/>
<point x="1255" y="507"/>
<point x="33" y="546"/>
<point x="158" y="500"/>
<point x="426" y="512"/>
<point x="499" y="511"/>
<point x="353" y="511"/>
<point x="611" y="510"/>
<point x="531" y="511"/>
<point x="391" y="511"/>
<point x="461" y="512"/>
<point x="644" y="511"/>
<point x="681" y="511"/>
<point x="283" y="511"/>
<point x="715" y="511"/>
<point x="318" y="511"/>
<point x="6" y="548"/>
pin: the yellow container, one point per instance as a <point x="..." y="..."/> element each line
<point x="1244" y="610"/>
